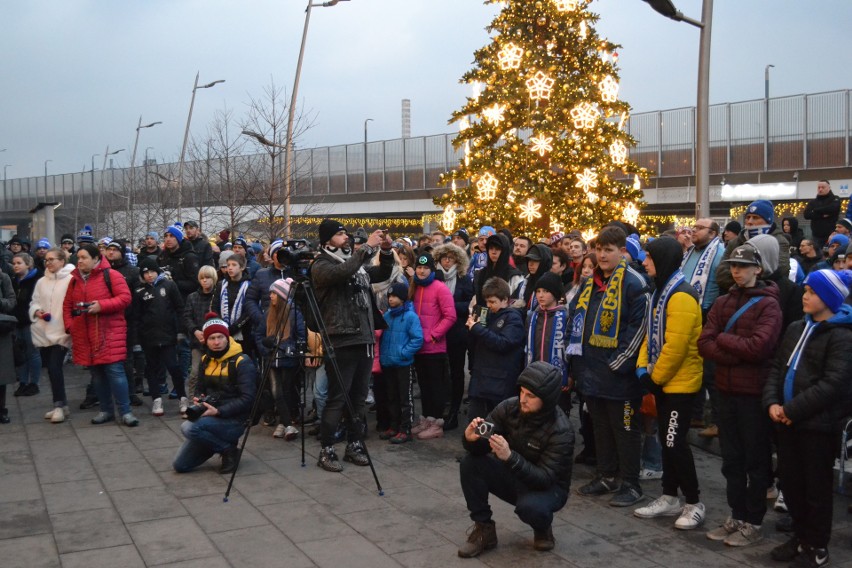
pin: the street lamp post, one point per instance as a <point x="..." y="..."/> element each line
<point x="365" y="152"/>
<point x="766" y="117"/>
<point x="129" y="210"/>
<point x="702" y="108"/>
<point x="272" y="155"/>
<point x="107" y="153"/>
<point x="288" y="142"/>
<point x="5" y="193"/>
<point x="45" y="180"/>
<point x="195" y="87"/>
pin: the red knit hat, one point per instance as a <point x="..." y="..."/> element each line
<point x="214" y="324"/>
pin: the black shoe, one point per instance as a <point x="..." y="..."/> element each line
<point x="20" y="390"/>
<point x="4" y="416"/>
<point x="787" y="551"/>
<point x="230" y="459"/>
<point x="811" y="558"/>
<point x="355" y="453"/>
<point x="31" y="390"/>
<point x="313" y="431"/>
<point x="451" y="422"/>
<point x="544" y="541"/>
<point x="311" y="416"/>
<point x="328" y="460"/>
<point x="599" y="486"/>
<point x="90" y="401"/>
<point x="135" y="400"/>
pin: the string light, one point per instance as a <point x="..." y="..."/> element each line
<point x="622" y="121"/>
<point x="585" y="115"/>
<point x="637" y="183"/>
<point x="530" y="211"/>
<point x="511" y="195"/>
<point x="592" y="197"/>
<point x="790" y="208"/>
<point x="487" y="187"/>
<point x="588" y="234"/>
<point x="609" y="89"/>
<point x="540" y="86"/>
<point x="587" y="180"/>
<point x="542" y="144"/>
<point x="555" y="226"/>
<point x="510" y="57"/>
<point x="477" y="90"/>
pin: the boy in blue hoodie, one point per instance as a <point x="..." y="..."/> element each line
<point x="400" y="341"/>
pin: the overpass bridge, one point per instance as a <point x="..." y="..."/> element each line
<point x="775" y="148"/>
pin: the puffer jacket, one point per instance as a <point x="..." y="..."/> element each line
<point x="235" y="394"/>
<point x="182" y="266"/>
<point x="679" y="367"/>
<point x="742" y="354"/>
<point x="48" y="296"/>
<point x="403" y="337"/>
<point x="98" y="339"/>
<point x="723" y="272"/>
<point x="822" y="390"/>
<point x="198" y="304"/>
<point x="434" y="305"/>
<point x="156" y="313"/>
<point x="24" y="290"/>
<point x="542" y="443"/>
<point x="499" y="355"/>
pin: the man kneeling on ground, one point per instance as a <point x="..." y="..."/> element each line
<point x="223" y="396"/>
<point x="525" y="461"/>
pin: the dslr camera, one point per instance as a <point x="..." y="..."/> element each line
<point x="80" y="308"/>
<point x="195" y="411"/>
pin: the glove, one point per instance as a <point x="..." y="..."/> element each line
<point x="641" y="371"/>
<point x="649" y="385"/>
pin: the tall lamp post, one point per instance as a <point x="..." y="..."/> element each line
<point x="107" y="154"/>
<point x="766" y="117"/>
<point x="702" y="108"/>
<point x="195" y="87"/>
<point x="45" y="179"/>
<point x="288" y="142"/>
<point x="272" y="155"/>
<point x="5" y="194"/>
<point x="128" y="211"/>
<point x="365" y="152"/>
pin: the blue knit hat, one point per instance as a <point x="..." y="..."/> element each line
<point x="831" y="287"/>
<point x="241" y="240"/>
<point x="764" y="209"/>
<point x="841" y="240"/>
<point x="634" y="247"/>
<point x="176" y="231"/>
<point x="43" y="243"/>
<point x="486" y="231"/>
<point x="85" y="235"/>
<point x="400" y="290"/>
<point x="273" y="248"/>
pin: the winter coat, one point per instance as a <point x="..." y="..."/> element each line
<point x="723" y="272"/>
<point x="742" y="354"/>
<point x="97" y="339"/>
<point x="197" y="305"/>
<point x="156" y="313"/>
<point x="257" y="296"/>
<point x="235" y="394"/>
<point x="7" y="306"/>
<point x="202" y="249"/>
<point x="789" y="298"/>
<point x="822" y="211"/>
<point x="182" y="265"/>
<point x="287" y="354"/>
<point x="402" y="338"/>
<point x="611" y="373"/>
<point x="542" y="443"/>
<point x="501" y="268"/>
<point x="24" y="289"/>
<point x="235" y="326"/>
<point x="679" y="368"/>
<point x="822" y="391"/>
<point x="340" y="294"/>
<point x="434" y="305"/>
<point x="48" y="296"/>
<point x="498" y="348"/>
<point x="462" y="294"/>
<point x="796" y="234"/>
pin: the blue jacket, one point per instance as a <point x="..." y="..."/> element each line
<point x="498" y="348"/>
<point x="287" y="355"/>
<point x="403" y="337"/>
<point x="257" y="296"/>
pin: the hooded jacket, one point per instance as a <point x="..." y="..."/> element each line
<point x="197" y="306"/>
<point x="403" y="337"/>
<point x="434" y="305"/>
<point x="742" y="354"/>
<point x="542" y="443"/>
<point x="822" y="211"/>
<point x="235" y="394"/>
<point x="541" y="332"/>
<point x="501" y="268"/>
<point x="723" y="272"/>
<point x="48" y="296"/>
<point x="796" y="234"/>
<point x="527" y="289"/>
<point x="257" y="295"/>
<point x="462" y="293"/>
<point x="182" y="266"/>
<point x="24" y="288"/>
<point x="822" y="391"/>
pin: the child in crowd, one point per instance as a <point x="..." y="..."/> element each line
<point x="498" y="343"/>
<point x="547" y="330"/>
<point x="402" y="339"/>
<point x="198" y="304"/>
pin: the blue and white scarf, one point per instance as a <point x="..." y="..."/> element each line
<point x="752" y="232"/>
<point x="228" y="314"/>
<point x="702" y="273"/>
<point x="554" y="351"/>
<point x="793" y="361"/>
<point x="657" y="318"/>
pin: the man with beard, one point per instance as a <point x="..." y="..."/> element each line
<point x="519" y="253"/>
<point x="199" y="243"/>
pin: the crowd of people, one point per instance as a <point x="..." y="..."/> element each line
<point x="743" y="331"/>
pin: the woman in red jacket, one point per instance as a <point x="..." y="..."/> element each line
<point x="93" y="312"/>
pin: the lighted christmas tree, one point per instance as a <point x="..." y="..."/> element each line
<point x="543" y="134"/>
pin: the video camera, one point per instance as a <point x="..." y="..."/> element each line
<point x="295" y="253"/>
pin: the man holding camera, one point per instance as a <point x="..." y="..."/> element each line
<point x="342" y="280"/>
<point x="522" y="453"/>
<point x="222" y="402"/>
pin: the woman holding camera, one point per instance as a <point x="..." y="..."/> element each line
<point x="93" y="313"/>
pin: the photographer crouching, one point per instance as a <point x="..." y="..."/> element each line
<point x="222" y="401"/>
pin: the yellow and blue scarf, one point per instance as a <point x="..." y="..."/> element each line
<point x="607" y="318"/>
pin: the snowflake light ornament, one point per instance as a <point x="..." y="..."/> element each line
<point x="486" y="187"/>
<point x="587" y="180"/>
<point x="588" y="234"/>
<point x="585" y="115"/>
<point x="448" y="219"/>
<point x="530" y="211"/>
<point x="494" y="114"/>
<point x="609" y="89"/>
<point x="510" y="57"/>
<point x="584" y="29"/>
<point x="618" y="153"/>
<point x="567" y="5"/>
<point x="631" y="213"/>
<point x="541" y="144"/>
<point x="540" y="86"/>
<point x="511" y="195"/>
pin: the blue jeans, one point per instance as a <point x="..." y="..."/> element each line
<point x="320" y="378"/>
<point x="207" y="436"/>
<point x="110" y="381"/>
<point x="30" y="371"/>
<point x="184" y="355"/>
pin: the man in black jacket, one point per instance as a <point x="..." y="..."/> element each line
<point x="526" y="460"/>
<point x="822" y="211"/>
<point x="199" y="243"/>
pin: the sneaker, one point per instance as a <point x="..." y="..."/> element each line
<point x="129" y="420"/>
<point x="290" y="433"/>
<point x="20" y="390"/>
<point x="355" y="453"/>
<point x="279" y="431"/>
<point x="173" y="395"/>
<point x="31" y="390"/>
<point x="599" y="486"/>
<point x="370" y="400"/>
<point x="746" y="535"/>
<point x="811" y="558"/>
<point x="648" y="474"/>
<point x="400" y="438"/>
<point x="184" y="404"/>
<point x="58" y="416"/>
<point x="780" y="505"/>
<point x="90" y="401"/>
<point x="49" y="414"/>
<point x="711" y="431"/>
<point x="480" y="537"/>
<point x="135" y="400"/>
<point x="230" y="460"/>
<point x="164" y="389"/>
<point x="729" y="527"/>
<point x="157" y="407"/>
<point x="626" y="496"/>
<point x="421" y="424"/>
<point x="102" y="418"/>
<point x="543" y="540"/>
<point x="435" y="430"/>
<point x="691" y="518"/>
<point x="662" y="506"/>
<point x="387" y="434"/>
<point x="787" y="551"/>
<point x="328" y="460"/>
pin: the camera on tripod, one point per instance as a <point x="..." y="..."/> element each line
<point x="295" y="253"/>
<point x="80" y="308"/>
<point x="195" y="411"/>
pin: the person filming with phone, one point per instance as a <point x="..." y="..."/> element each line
<point x="522" y="453"/>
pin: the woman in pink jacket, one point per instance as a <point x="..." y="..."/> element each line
<point x="433" y="303"/>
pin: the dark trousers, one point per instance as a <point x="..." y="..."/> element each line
<point x="484" y="475"/>
<point x="433" y="375"/>
<point x="587" y="428"/>
<point x="355" y="364"/>
<point x="744" y="439"/>
<point x="158" y="360"/>
<point x="282" y="385"/>
<point x="708" y="390"/>
<point x="400" y="400"/>
<point x="805" y="465"/>
<point x="618" y="437"/>
<point x="480" y="407"/>
<point x="674" y="413"/>
<point x="53" y="357"/>
<point x="456" y="352"/>
<point x="382" y="404"/>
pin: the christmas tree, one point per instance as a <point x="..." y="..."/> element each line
<point x="545" y="148"/>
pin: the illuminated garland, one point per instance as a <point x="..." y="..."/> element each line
<point x="791" y="208"/>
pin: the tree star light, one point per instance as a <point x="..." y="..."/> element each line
<point x="541" y="144"/>
<point x="486" y="187"/>
<point x="567" y="5"/>
<point x="494" y="113"/>
<point x="585" y="115"/>
<point x="540" y="86"/>
<point x="587" y="180"/>
<point x="609" y="89"/>
<point x="618" y="153"/>
<point x="448" y="219"/>
<point x="530" y="211"/>
<point x="510" y="57"/>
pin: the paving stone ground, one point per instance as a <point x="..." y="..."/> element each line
<point x="74" y="494"/>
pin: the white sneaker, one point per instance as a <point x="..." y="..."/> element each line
<point x="66" y="412"/>
<point x="184" y="404"/>
<point x="290" y="433"/>
<point x="691" y="517"/>
<point x="780" y="505"/>
<point x="58" y="416"/>
<point x="279" y="431"/>
<point x="49" y="414"/>
<point x="647" y="474"/>
<point x="370" y="400"/>
<point x="662" y="506"/>
<point x="157" y="408"/>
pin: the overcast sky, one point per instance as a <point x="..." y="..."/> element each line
<point x="76" y="74"/>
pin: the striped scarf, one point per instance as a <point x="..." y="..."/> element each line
<point x="701" y="275"/>
<point x="607" y="319"/>
<point x="554" y="351"/>
<point x="233" y="316"/>
<point x="657" y="319"/>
